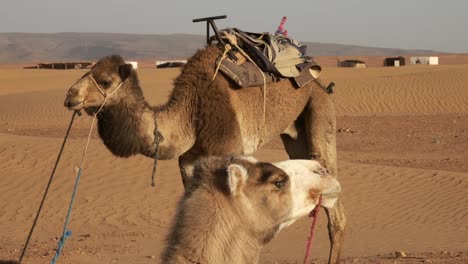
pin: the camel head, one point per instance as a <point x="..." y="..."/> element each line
<point x="110" y="77"/>
<point x="271" y="196"/>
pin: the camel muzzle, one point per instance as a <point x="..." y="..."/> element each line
<point x="73" y="101"/>
<point x="331" y="194"/>
<point x="73" y="104"/>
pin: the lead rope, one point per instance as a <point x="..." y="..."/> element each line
<point x="47" y="188"/>
<point x="313" y="214"/>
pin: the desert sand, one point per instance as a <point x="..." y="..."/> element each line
<point x="403" y="165"/>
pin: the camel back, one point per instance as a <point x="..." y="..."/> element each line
<point x="262" y="58"/>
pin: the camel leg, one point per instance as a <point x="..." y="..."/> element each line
<point x="320" y="129"/>
<point x="336" y="226"/>
<point x="297" y="147"/>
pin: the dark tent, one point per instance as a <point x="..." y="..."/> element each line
<point x="391" y="61"/>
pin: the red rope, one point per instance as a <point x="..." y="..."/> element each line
<point x="313" y="214"/>
<point x="281" y="29"/>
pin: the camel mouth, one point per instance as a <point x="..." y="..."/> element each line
<point x="329" y="200"/>
<point x="74" y="105"/>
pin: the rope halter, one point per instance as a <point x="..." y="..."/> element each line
<point x="104" y="94"/>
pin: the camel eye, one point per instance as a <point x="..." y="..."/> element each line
<point x="105" y="84"/>
<point x="280" y="184"/>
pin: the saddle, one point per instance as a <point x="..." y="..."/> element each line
<point x="259" y="58"/>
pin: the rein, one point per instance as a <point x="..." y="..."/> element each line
<point x="313" y="214"/>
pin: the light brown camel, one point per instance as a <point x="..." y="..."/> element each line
<point x="249" y="202"/>
<point x="205" y="117"/>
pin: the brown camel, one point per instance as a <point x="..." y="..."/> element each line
<point x="250" y="202"/>
<point x="205" y="117"/>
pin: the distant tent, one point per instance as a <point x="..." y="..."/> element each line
<point x="425" y="60"/>
<point x="395" y="61"/>
<point x="170" y="64"/>
<point x="133" y="63"/>
<point x="352" y="64"/>
<point x="61" y="65"/>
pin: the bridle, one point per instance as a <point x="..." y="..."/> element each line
<point x="101" y="90"/>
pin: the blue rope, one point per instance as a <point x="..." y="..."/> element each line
<point x="47" y="188"/>
<point x="67" y="233"/>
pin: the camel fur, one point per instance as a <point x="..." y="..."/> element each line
<point x="249" y="202"/>
<point x="206" y="117"/>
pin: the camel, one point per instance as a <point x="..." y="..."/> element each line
<point x="210" y="117"/>
<point x="250" y="202"/>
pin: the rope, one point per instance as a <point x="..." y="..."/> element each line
<point x="67" y="233"/>
<point x="47" y="188"/>
<point x="157" y="139"/>
<point x="313" y="214"/>
<point x="102" y="91"/>
<point x="227" y="47"/>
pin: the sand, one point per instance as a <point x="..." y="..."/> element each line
<point x="403" y="165"/>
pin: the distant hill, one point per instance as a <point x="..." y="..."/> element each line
<point x="40" y="47"/>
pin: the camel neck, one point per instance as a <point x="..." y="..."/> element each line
<point x="210" y="234"/>
<point x="127" y="128"/>
<point x="122" y="128"/>
<point x="176" y="122"/>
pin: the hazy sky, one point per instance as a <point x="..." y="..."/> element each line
<point x="413" y="24"/>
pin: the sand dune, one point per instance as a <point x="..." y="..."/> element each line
<point x="403" y="166"/>
<point x="406" y="90"/>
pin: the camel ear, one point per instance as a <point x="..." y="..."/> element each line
<point x="124" y="71"/>
<point x="237" y="176"/>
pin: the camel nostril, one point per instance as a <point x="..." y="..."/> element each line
<point x="72" y="92"/>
